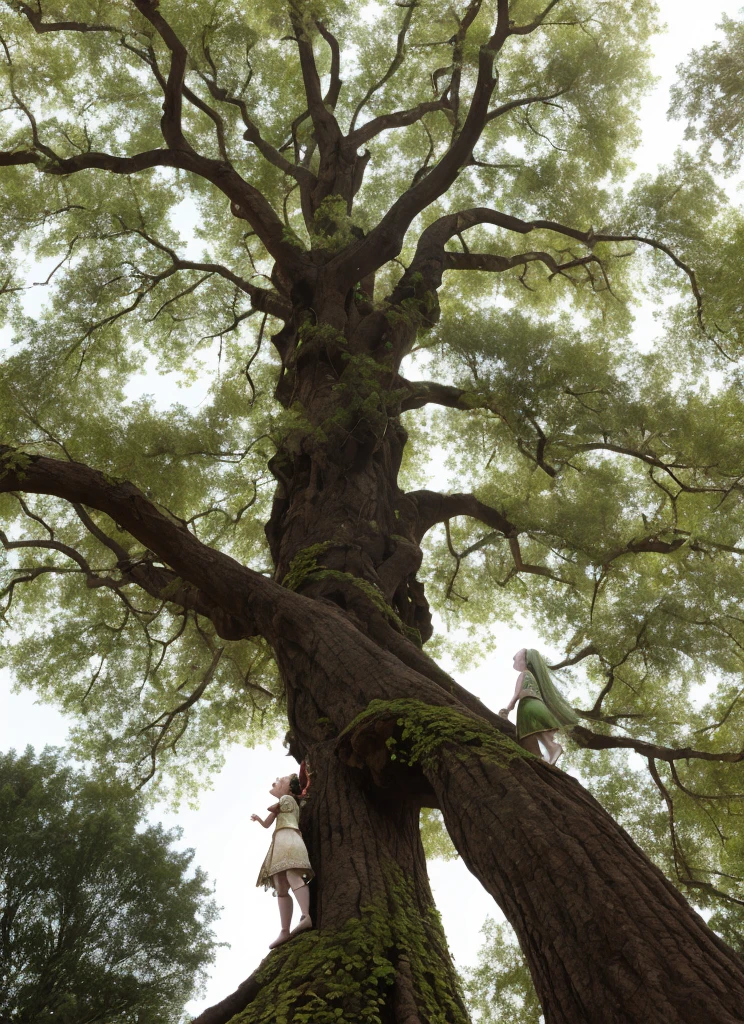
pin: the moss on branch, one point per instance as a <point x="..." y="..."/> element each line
<point x="305" y="565"/>
<point x="423" y="729"/>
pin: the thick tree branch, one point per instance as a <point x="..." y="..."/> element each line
<point x="157" y="581"/>
<point x="424" y="392"/>
<point x="431" y="258"/>
<point x="396" y="119"/>
<point x="35" y="18"/>
<point x="432" y="508"/>
<point x="334" y="85"/>
<point x="327" y="132"/>
<point x="15" y="158"/>
<point x="162" y="583"/>
<point x="498" y="264"/>
<point x="593" y="741"/>
<point x="384" y="242"/>
<point x="458" y="44"/>
<point x="170" y="124"/>
<point x="238" y="592"/>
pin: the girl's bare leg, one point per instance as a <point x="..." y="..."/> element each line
<point x="531" y="743"/>
<point x="302" y="895"/>
<point x="285" y="908"/>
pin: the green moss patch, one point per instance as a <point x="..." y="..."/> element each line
<point x="346" y="976"/>
<point x="305" y="564"/>
<point x="425" y="728"/>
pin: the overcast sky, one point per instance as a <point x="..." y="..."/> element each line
<point x="228" y="845"/>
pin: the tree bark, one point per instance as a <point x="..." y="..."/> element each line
<point x="378" y="952"/>
<point x="606" y="936"/>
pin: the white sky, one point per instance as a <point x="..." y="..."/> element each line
<point x="228" y="845"/>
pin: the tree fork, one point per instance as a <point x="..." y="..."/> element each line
<point x="606" y="936"/>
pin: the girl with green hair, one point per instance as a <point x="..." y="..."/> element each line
<point x="542" y="710"/>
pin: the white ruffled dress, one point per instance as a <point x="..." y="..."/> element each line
<point x="287" y="851"/>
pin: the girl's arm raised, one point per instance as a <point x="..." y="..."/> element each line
<point x="269" y="820"/>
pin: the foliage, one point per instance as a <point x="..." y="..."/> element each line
<point x="434" y="836"/>
<point x="500" y="988"/>
<point x="611" y="461"/>
<point x="710" y="93"/>
<point x="103" y="919"/>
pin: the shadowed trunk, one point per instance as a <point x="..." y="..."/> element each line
<point x="606" y="936"/>
<point x="340" y="526"/>
<point x="379" y="953"/>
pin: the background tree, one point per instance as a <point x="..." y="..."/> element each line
<point x="414" y="235"/>
<point x="499" y="987"/>
<point x="102" y="920"/>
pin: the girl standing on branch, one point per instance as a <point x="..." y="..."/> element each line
<point x="542" y="710"/>
<point x="287" y="865"/>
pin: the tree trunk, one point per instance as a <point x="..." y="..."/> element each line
<point x="378" y="954"/>
<point x="607" y="938"/>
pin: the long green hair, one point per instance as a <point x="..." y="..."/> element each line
<point x="548" y="690"/>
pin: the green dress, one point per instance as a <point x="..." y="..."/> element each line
<point x="532" y="714"/>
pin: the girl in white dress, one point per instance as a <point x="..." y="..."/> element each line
<point x="287" y="865"/>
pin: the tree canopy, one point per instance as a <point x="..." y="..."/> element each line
<point x="102" y="918"/>
<point x="404" y="236"/>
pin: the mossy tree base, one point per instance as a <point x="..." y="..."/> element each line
<point x="378" y="954"/>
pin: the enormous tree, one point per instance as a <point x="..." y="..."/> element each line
<point x="102" y="920"/>
<point x="411" y="235"/>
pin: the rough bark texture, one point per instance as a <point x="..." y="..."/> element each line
<point x="606" y="936"/>
<point x="379" y="952"/>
